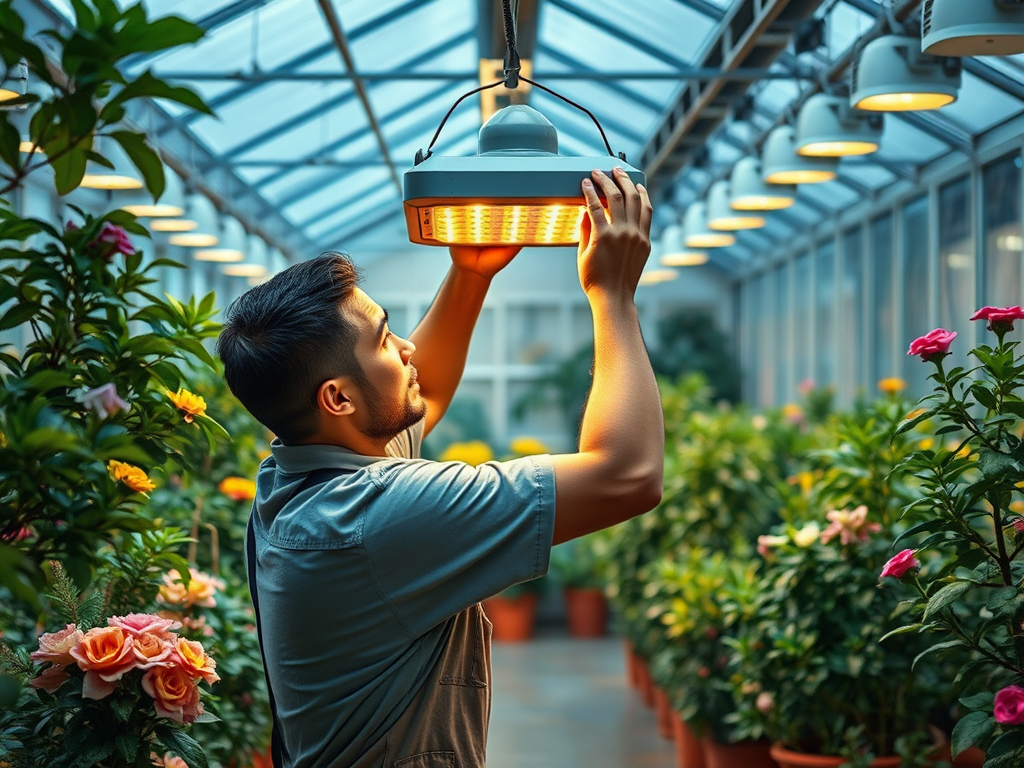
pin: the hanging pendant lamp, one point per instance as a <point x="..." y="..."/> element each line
<point x="722" y="217"/>
<point x="782" y="165"/>
<point x="829" y="127"/>
<point x="517" y="189"/>
<point x="171" y="204"/>
<point x="750" y="192"/>
<point x="16" y="84"/>
<point x="230" y="245"/>
<point x="122" y="176"/>
<point x="657" y="276"/>
<point x="672" y="252"/>
<point x="972" y="27"/>
<point x="892" y="75"/>
<point x="199" y="228"/>
<point x="697" y="233"/>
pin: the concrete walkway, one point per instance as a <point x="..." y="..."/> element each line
<point x="563" y="703"/>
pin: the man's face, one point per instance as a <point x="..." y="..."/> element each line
<point x="392" y="401"/>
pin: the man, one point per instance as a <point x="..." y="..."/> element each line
<point x="367" y="564"/>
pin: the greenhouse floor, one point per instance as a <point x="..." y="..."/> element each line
<point x="565" y="703"/>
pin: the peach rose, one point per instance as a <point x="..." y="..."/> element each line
<point x="167" y="761"/>
<point x="56" y="647"/>
<point x="105" y="654"/>
<point x="193" y="659"/>
<point x="175" y="694"/>
<point x="151" y="651"/>
<point x="145" y="623"/>
<point x="51" y="678"/>
<point x="200" y="591"/>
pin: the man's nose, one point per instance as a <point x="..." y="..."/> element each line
<point x="407" y="350"/>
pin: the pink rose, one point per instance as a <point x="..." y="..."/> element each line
<point x="900" y="563"/>
<point x="51" y="678"/>
<point x="55" y="647"/>
<point x="191" y="657"/>
<point x="104" y="401"/>
<point x="145" y="623"/>
<point x="1000" y="319"/>
<point x="175" y="694"/>
<point x="105" y="654"/>
<point x="932" y="344"/>
<point x="152" y="651"/>
<point x="1009" y="705"/>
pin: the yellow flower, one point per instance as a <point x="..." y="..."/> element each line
<point x="238" y="488"/>
<point x="892" y="385"/>
<point x="807" y="535"/>
<point x="792" y="411"/>
<point x="528" y="446"/>
<point x="474" y="452"/>
<point x="927" y="444"/>
<point x="192" y="405"/>
<point x="131" y="476"/>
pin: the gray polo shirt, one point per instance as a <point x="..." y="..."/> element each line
<point x="359" y="578"/>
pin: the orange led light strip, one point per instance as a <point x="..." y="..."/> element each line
<point x="488" y="223"/>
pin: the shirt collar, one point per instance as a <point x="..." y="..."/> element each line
<point x="306" y="458"/>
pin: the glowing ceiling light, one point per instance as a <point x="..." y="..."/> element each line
<point x="244" y="270"/>
<point x="170" y="205"/>
<point x="656" y="276"/>
<point x="122" y="176"/>
<point x="199" y="228"/>
<point x="670" y="251"/>
<point x="697" y="233"/>
<point x="829" y="127"/>
<point x="782" y="165"/>
<point x="892" y="75"/>
<point x="750" y="192"/>
<point x="16" y="84"/>
<point x="230" y="248"/>
<point x="173" y="225"/>
<point x="722" y="217"/>
<point x="972" y="27"/>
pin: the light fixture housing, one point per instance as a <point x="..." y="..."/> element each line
<point x="516" y="190"/>
<point x="657" y="276"/>
<point x="231" y="246"/>
<point x="697" y="233"/>
<point x="200" y="211"/>
<point x="782" y="165"/>
<point x="16" y="84"/>
<point x="171" y="204"/>
<point x="972" y="27"/>
<point x="892" y="75"/>
<point x="829" y="127"/>
<point x="122" y="176"/>
<point x="750" y="192"/>
<point x="722" y="217"/>
<point x="672" y="252"/>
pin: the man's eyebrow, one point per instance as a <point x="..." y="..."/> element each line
<point x="383" y="322"/>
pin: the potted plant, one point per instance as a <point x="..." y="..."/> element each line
<point x="578" y="566"/>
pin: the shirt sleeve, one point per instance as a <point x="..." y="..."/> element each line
<point x="442" y="536"/>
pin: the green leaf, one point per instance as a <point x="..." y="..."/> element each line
<point x="979" y="701"/>
<point x="127" y="745"/>
<point x="972" y="729"/>
<point x="18" y="314"/>
<point x="185" y="746"/>
<point x="946" y="596"/>
<point x="152" y="87"/>
<point x="167" y="32"/>
<point x="901" y="631"/>
<point x="994" y="464"/>
<point x="938" y="647"/>
<point x="143" y="157"/>
<point x="984" y="396"/>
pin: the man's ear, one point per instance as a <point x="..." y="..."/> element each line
<point x="334" y="397"/>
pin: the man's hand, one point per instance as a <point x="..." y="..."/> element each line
<point x="483" y="260"/>
<point x="615" y="237"/>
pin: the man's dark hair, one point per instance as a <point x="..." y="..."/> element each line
<point x="285" y="337"/>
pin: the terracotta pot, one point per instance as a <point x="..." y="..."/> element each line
<point x="512" y="617"/>
<point x="742" y="754"/>
<point x="646" y="681"/>
<point x="972" y="757"/>
<point x="689" y="752"/>
<point x="788" y="759"/>
<point x="632" y="677"/>
<point x="665" y="713"/>
<point x="587" y="611"/>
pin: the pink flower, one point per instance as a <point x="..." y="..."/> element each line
<point x="152" y="651"/>
<point x="167" y="761"/>
<point x="104" y="401"/>
<point x="55" y="647"/>
<point x="51" y="678"/>
<point x="145" y="623"/>
<point x="900" y="563"/>
<point x="175" y="694"/>
<point x="18" y="535"/>
<point x="1009" y="705"/>
<point x="112" y="240"/>
<point x="765" y="702"/>
<point x="765" y="544"/>
<point x="849" y="526"/>
<point x="1000" y="319"/>
<point x="105" y="654"/>
<point x="805" y="387"/>
<point x="932" y="344"/>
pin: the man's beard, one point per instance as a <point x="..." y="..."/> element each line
<point x="388" y="418"/>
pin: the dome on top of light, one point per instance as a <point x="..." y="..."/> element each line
<point x="782" y="165"/>
<point x="516" y="190"/>
<point x="750" y="192"/>
<point x="697" y="233"/>
<point x="972" y="27"/>
<point x="892" y="75"/>
<point x="829" y="127"/>
<point x="721" y="215"/>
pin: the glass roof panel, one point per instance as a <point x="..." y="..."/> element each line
<point x="369" y="204"/>
<point x="346" y="185"/>
<point x="413" y="33"/>
<point x="874" y="176"/>
<point x="569" y="121"/>
<point x="843" y="25"/>
<point x="905" y="143"/>
<point x="980" y="105"/>
<point x="833" y="195"/>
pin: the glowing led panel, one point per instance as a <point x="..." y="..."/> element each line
<point x="244" y="270"/>
<point x="892" y="75"/>
<point x="170" y="205"/>
<point x="516" y="190"/>
<point x="655" y="276"/>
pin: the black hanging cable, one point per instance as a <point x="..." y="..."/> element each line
<point x="420" y="156"/>
<point x="579" y="107"/>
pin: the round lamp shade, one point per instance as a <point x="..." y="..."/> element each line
<point x="122" y="176"/>
<point x="170" y="205"/>
<point x="672" y="252"/>
<point x="892" y="75"/>
<point x="204" y="234"/>
<point x="750" y="192"/>
<point x="782" y="165"/>
<point x="231" y="246"/>
<point x="829" y="127"/>
<point x="16" y="84"/>
<point x="516" y="190"/>
<point x="697" y="233"/>
<point x="722" y="217"/>
<point x="972" y="28"/>
<point x="656" y="276"/>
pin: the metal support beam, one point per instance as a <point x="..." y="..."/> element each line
<point x="331" y="17"/>
<point x="399" y="74"/>
<point x="586" y="74"/>
<point x="703" y="7"/>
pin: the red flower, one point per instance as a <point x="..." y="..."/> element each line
<point x="899" y="564"/>
<point x="112" y="240"/>
<point x="1009" y="705"/>
<point x="1000" y="319"/>
<point x="932" y="344"/>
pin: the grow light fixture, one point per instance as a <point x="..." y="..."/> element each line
<point x="230" y="246"/>
<point x="672" y="252"/>
<point x="829" y="127"/>
<point x="782" y="165"/>
<point x="697" y="233"/>
<point x="892" y="75"/>
<point x="972" y="27"/>
<point x="170" y="206"/>
<point x="517" y="189"/>
<point x="102" y="177"/>
<point x="198" y="230"/>
<point x="750" y="192"/>
<point x="722" y="217"/>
